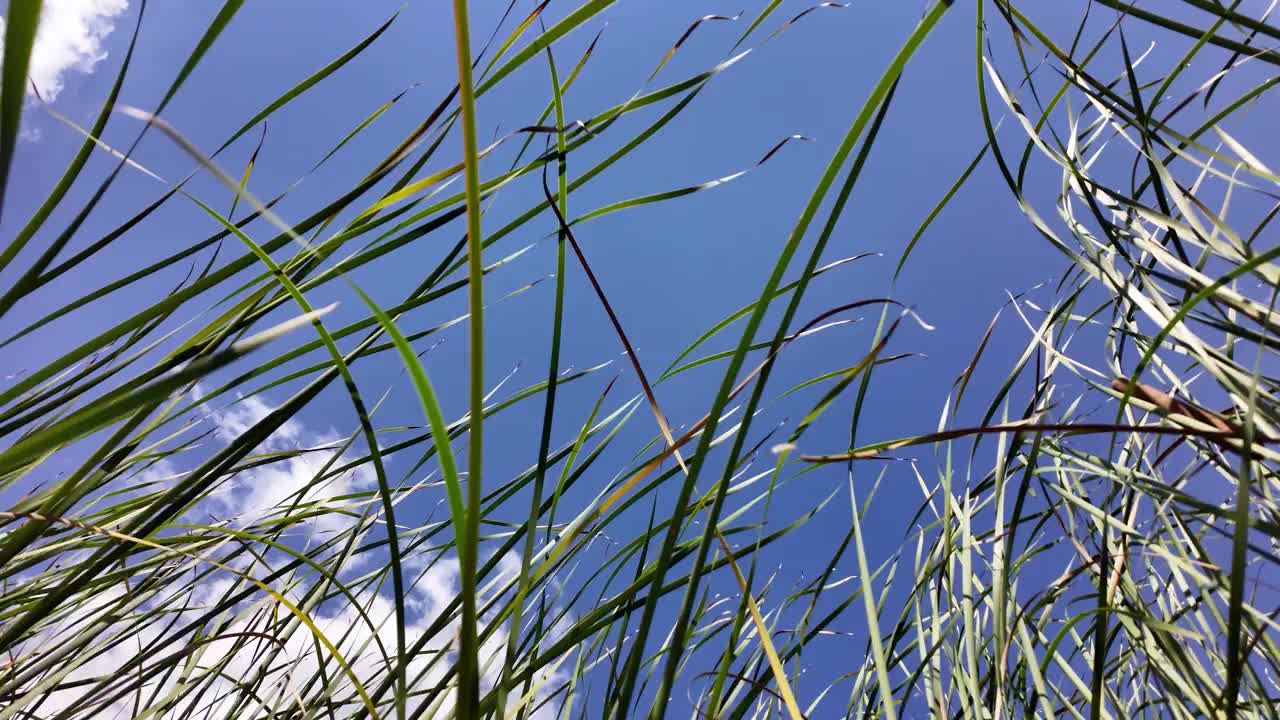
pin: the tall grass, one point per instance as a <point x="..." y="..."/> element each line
<point x="1100" y="545"/>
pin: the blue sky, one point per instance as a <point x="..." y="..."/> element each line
<point x="670" y="269"/>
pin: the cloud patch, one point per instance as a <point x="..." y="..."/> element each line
<point x="284" y="662"/>
<point x="69" y="39"/>
<point x="150" y="630"/>
<point x="274" y="488"/>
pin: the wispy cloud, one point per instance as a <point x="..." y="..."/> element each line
<point x="70" y="39"/>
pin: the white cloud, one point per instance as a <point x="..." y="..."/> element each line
<point x="261" y="491"/>
<point x="69" y="39"/>
<point x="432" y="583"/>
<point x="232" y="421"/>
<point x="357" y="638"/>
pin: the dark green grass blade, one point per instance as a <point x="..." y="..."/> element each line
<point x="19" y="37"/>
<point x="59" y="191"/>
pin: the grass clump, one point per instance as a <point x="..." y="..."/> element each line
<point x="1098" y="524"/>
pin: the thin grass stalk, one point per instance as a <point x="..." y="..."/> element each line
<point x="468" y="706"/>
